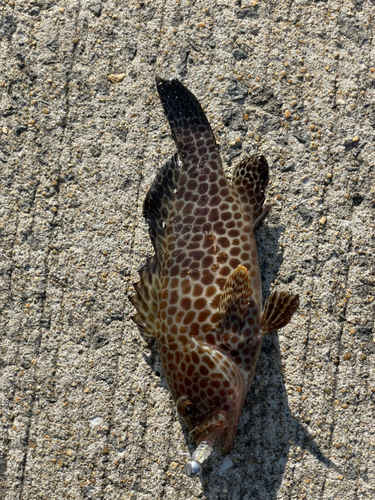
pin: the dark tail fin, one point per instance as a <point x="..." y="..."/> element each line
<point x="191" y="131"/>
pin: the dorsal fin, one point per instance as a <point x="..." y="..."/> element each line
<point x="156" y="208"/>
<point x="235" y="295"/>
<point x="146" y="299"/>
<point x="159" y="200"/>
<point x="250" y="179"/>
<point x="278" y="311"/>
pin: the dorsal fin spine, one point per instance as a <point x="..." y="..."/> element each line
<point x="156" y="209"/>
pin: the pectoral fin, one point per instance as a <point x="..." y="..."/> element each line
<point x="278" y="311"/>
<point x="236" y="294"/>
<point x="239" y="327"/>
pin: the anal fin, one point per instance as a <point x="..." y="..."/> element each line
<point x="258" y="221"/>
<point x="250" y="180"/>
<point x="278" y="311"/>
<point x="146" y="299"/>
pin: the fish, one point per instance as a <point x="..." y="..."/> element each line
<point x="200" y="295"/>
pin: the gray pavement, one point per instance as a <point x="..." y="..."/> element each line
<point x="85" y="412"/>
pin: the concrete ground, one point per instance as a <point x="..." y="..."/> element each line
<point x="85" y="412"/>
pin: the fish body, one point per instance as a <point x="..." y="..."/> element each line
<point x="200" y="296"/>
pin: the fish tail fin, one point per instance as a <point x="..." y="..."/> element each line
<point x="146" y="298"/>
<point x="278" y="311"/>
<point x="250" y="180"/>
<point x="191" y="131"/>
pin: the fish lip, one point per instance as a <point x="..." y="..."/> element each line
<point x="227" y="438"/>
<point x="215" y="424"/>
<point x="229" y="433"/>
<point x="221" y="427"/>
<point x="226" y="429"/>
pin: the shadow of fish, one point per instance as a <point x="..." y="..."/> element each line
<point x="200" y="296"/>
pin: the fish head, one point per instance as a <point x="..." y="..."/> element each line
<point x="209" y="392"/>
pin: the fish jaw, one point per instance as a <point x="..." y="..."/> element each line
<point x="222" y="425"/>
<point x="229" y="433"/>
<point x="211" y="428"/>
<point x="214" y="385"/>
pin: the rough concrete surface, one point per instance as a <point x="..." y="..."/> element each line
<point x="85" y="412"/>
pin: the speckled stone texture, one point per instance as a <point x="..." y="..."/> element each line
<point x="85" y="412"/>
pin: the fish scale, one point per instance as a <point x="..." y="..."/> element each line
<point x="201" y="296"/>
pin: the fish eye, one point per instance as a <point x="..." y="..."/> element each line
<point x="185" y="406"/>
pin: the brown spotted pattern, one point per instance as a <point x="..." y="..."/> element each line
<point x="235" y="296"/>
<point x="208" y="318"/>
<point x="250" y="179"/>
<point x="146" y="300"/>
<point x="158" y="202"/>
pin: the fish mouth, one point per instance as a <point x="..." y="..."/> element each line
<point x="214" y="425"/>
<point x="227" y="437"/>
<point x="217" y="427"/>
<point x="221" y="427"/>
<point x="229" y="432"/>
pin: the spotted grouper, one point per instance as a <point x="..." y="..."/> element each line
<point x="200" y="295"/>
